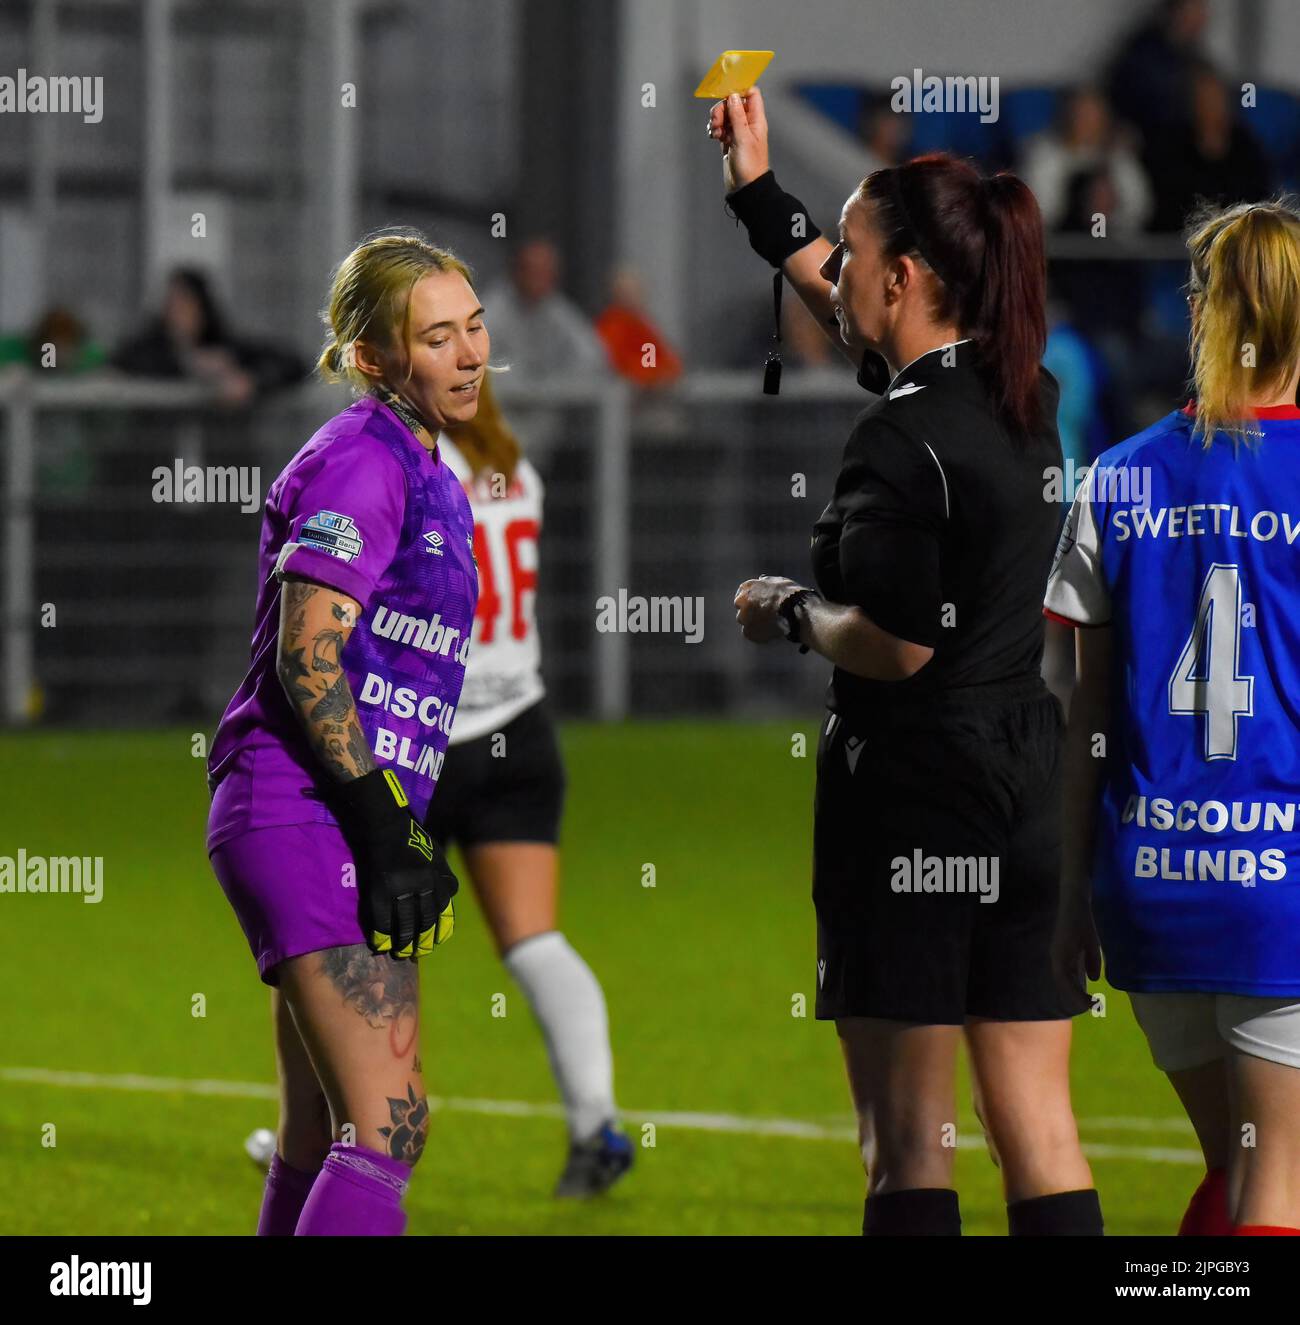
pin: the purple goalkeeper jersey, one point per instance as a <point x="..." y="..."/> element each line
<point x="366" y="509"/>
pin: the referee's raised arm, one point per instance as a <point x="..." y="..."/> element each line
<point x="780" y="229"/>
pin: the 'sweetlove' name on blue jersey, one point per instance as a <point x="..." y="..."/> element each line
<point x="1202" y="518"/>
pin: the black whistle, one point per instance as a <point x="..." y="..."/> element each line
<point x="772" y="368"/>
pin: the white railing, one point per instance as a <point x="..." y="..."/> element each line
<point x="678" y="491"/>
<point x="23" y="395"/>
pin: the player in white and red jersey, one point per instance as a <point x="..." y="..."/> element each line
<point x="501" y="794"/>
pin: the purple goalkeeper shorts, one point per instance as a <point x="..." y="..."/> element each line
<point x="293" y="889"/>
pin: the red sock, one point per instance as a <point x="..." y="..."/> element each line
<point x="1207" y="1212"/>
<point x="1265" y="1231"/>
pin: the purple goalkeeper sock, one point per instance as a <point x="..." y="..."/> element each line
<point x="358" y="1194"/>
<point x="282" y="1200"/>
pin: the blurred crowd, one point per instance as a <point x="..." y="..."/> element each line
<point x="1150" y="132"/>
<point x="1125" y="154"/>
<point x="536" y="329"/>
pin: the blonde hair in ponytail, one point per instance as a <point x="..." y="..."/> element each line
<point x="1245" y="297"/>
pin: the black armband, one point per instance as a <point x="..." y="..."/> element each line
<point x="777" y="222"/>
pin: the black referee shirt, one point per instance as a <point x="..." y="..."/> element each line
<point x="939" y="530"/>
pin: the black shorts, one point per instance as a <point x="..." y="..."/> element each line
<point x="513" y="795"/>
<point x="917" y="821"/>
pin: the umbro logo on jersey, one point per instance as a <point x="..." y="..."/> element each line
<point x="434" y="540"/>
<point x="852" y="750"/>
<point x="908" y="389"/>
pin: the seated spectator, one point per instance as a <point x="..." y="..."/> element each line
<point x="534" y="328"/>
<point x="59" y="341"/>
<point x="1216" y="157"/>
<point x="1085" y="143"/>
<point x="189" y="338"/>
<point x="1100" y="297"/>
<point x="626" y="331"/>
<point x="1149" y="80"/>
<point x="884" y="131"/>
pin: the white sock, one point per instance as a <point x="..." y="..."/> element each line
<point x="569" y="1005"/>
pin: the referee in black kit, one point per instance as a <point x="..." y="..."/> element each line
<point x="936" y="843"/>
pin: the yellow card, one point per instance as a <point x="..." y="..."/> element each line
<point x="733" y="71"/>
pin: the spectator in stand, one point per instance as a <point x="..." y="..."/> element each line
<point x="1085" y="142"/>
<point x="190" y="338"/>
<point x="1104" y="299"/>
<point x="1216" y="157"/>
<point x="59" y="340"/>
<point x="884" y="131"/>
<point x="1149" y="80"/>
<point x="536" y="330"/>
<point x="60" y="343"/>
<point x="637" y="349"/>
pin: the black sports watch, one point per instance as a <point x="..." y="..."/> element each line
<point x="791" y="613"/>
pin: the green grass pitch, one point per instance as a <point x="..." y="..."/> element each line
<point x="700" y="971"/>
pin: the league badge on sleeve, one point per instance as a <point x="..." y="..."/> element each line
<point x="1069" y="536"/>
<point x="334" y="534"/>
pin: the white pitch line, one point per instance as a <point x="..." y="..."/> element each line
<point x="41" y="1076"/>
<point x="793" y="1128"/>
<point x="1140" y="1125"/>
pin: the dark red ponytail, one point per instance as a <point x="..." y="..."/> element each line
<point x="983" y="239"/>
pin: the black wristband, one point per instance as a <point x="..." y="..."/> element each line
<point x="369" y="804"/>
<point x="772" y="217"/>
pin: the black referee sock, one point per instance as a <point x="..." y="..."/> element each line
<point x="1063" y="1214"/>
<point x="917" y="1212"/>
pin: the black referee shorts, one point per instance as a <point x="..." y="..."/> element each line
<point x="515" y="795"/>
<point x="936" y="861"/>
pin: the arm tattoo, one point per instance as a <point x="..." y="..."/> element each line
<point x="359" y="747"/>
<point x="335" y="703"/>
<point x="326" y="642"/>
<point x="297" y="593"/>
<point x="291" y="672"/>
<point x="320" y="693"/>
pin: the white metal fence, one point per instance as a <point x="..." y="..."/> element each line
<point x="119" y="608"/>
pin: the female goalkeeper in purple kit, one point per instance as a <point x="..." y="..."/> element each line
<point x="326" y="758"/>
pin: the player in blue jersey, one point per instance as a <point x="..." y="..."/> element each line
<point x="1180" y="561"/>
